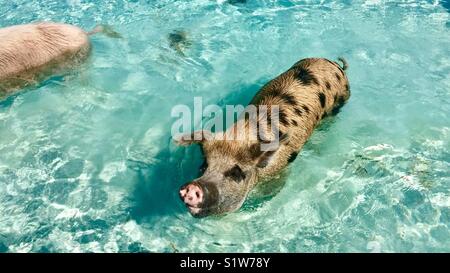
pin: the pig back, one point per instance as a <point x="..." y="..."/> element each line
<point x="28" y="50"/>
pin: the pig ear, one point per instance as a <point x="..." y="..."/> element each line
<point x="265" y="156"/>
<point x="194" y="137"/>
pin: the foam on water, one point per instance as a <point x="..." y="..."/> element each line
<point x="87" y="163"/>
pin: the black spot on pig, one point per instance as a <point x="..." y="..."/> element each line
<point x="255" y="149"/>
<point x="306" y="108"/>
<point x="305" y="76"/>
<point x="289" y="99"/>
<point x="292" y="157"/>
<point x="297" y="111"/>
<point x="322" y="99"/>
<point x="328" y="85"/>
<point x="337" y="107"/>
<point x="294" y="122"/>
<point x="338" y="77"/>
<point x="265" y="161"/>
<point x="283" y="118"/>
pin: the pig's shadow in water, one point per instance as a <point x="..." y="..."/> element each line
<point x="157" y="184"/>
<point x="7" y="100"/>
<point x="446" y="4"/>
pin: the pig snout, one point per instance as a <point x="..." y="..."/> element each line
<point x="192" y="195"/>
<point x="199" y="197"/>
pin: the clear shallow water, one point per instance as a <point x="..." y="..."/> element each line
<point x="86" y="162"/>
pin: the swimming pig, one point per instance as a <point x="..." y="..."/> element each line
<point x="311" y="89"/>
<point x="30" y="53"/>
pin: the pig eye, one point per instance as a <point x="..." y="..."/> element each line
<point x="235" y="173"/>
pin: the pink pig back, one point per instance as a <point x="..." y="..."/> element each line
<point x="26" y="51"/>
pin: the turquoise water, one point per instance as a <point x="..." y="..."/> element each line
<point x="87" y="163"/>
